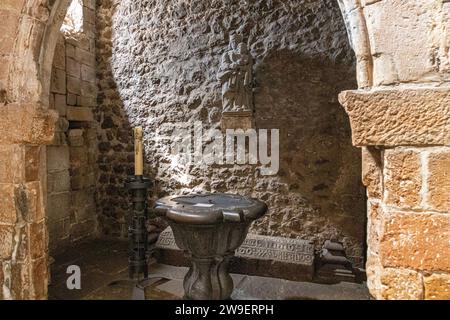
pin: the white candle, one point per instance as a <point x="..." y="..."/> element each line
<point x="138" y="156"/>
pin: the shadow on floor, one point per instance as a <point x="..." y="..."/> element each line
<point x="103" y="265"/>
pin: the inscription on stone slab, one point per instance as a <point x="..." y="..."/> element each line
<point x="166" y="240"/>
<point x="259" y="247"/>
<point x="276" y="248"/>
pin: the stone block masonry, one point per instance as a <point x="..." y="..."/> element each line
<point x="408" y="221"/>
<point x="402" y="122"/>
<point x="71" y="159"/>
<point x="23" y="236"/>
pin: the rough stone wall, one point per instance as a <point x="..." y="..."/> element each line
<point x="157" y="68"/>
<point x="71" y="158"/>
<point x="402" y="124"/>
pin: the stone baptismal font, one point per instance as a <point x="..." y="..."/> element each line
<point x="209" y="228"/>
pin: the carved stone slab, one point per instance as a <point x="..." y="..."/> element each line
<point x="291" y="259"/>
<point x="234" y="120"/>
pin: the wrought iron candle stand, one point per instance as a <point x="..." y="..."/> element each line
<point x="137" y="231"/>
<point x="138" y="239"/>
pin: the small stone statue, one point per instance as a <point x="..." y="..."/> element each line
<point x="235" y="75"/>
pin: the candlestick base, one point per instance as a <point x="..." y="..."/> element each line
<point x="137" y="230"/>
<point x="138" y="286"/>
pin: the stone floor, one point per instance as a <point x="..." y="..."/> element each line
<point x="103" y="264"/>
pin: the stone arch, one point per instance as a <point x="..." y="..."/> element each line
<point x="355" y="24"/>
<point x="29" y="75"/>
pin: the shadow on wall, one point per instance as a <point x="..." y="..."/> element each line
<point x="115" y="147"/>
<point x="320" y="170"/>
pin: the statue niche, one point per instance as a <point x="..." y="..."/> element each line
<point x="235" y="76"/>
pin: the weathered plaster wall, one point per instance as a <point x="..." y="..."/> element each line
<point x="72" y="156"/>
<point x="158" y="62"/>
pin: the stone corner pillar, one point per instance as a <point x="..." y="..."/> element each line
<point x="24" y="131"/>
<point x="404" y="134"/>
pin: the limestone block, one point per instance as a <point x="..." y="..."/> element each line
<point x="84" y="101"/>
<point x="77" y="182"/>
<point x="418" y="241"/>
<point x="7" y="205"/>
<point x="58" y="231"/>
<point x="437" y="286"/>
<point x="356" y="28"/>
<point x="89" y="15"/>
<point x="401" y="284"/>
<point x="37" y="238"/>
<point x="70" y="50"/>
<point x="6" y="241"/>
<point x="438" y="197"/>
<point x="372" y="172"/>
<point x="85" y="56"/>
<point x="73" y="68"/>
<point x="33" y="207"/>
<point x="73" y="85"/>
<point x="58" y="84"/>
<point x="373" y="272"/>
<point x="4" y="68"/>
<point x="85" y="212"/>
<point x="14" y="6"/>
<point x="2" y="279"/>
<point x="80" y="43"/>
<point x="398" y="117"/>
<point x="59" y="139"/>
<point x="60" y="104"/>
<point x="39" y="271"/>
<point x="51" y="101"/>
<point x="24" y="84"/>
<point x="33" y="163"/>
<point x="71" y="99"/>
<point x="82" y="230"/>
<point x="21" y="281"/>
<point x="37" y="125"/>
<point x="82" y="198"/>
<point x="375" y="222"/>
<point x="79" y="114"/>
<point x="78" y="157"/>
<point x="88" y="74"/>
<point x="402" y="178"/>
<point x="404" y="39"/>
<point x="88" y="89"/>
<point x="10" y="21"/>
<point x="62" y="125"/>
<point x="235" y="121"/>
<point x="90" y="4"/>
<point x="58" y="206"/>
<point x="58" y="181"/>
<point x="12" y="158"/>
<point x="89" y="31"/>
<point x="59" y="58"/>
<point x="76" y="137"/>
<point x="57" y="158"/>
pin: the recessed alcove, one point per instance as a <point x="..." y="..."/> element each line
<point x="361" y="111"/>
